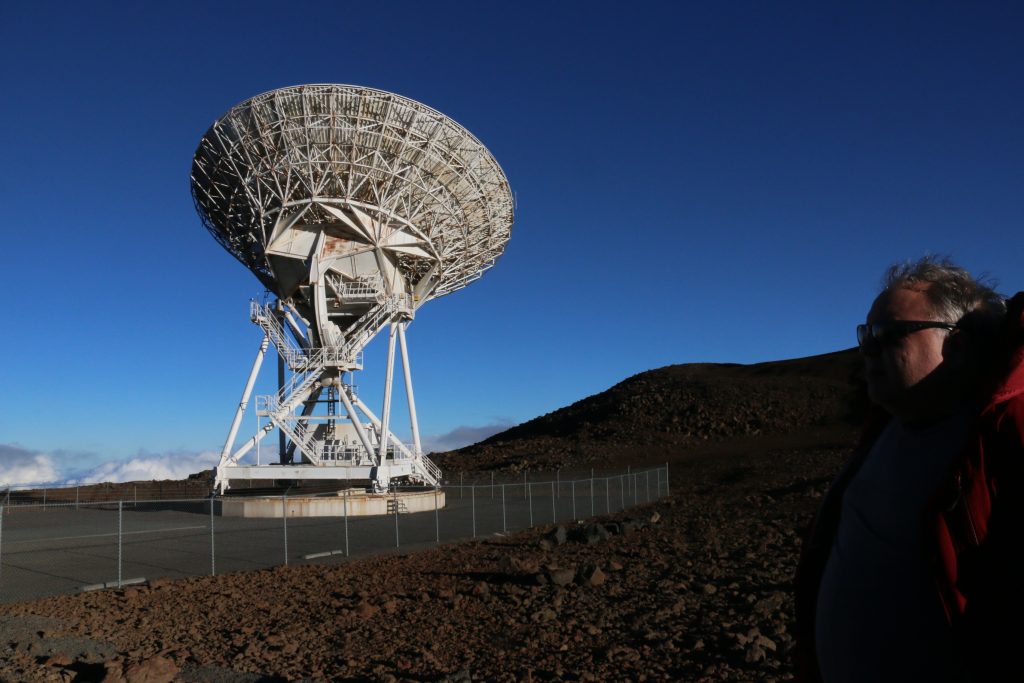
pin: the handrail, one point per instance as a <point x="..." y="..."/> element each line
<point x="360" y="290"/>
<point x="431" y="468"/>
<point x="263" y="315"/>
<point x="349" y="351"/>
<point x="312" y="368"/>
<point x="300" y="434"/>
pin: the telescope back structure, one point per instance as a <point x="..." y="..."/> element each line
<point x="353" y="207"/>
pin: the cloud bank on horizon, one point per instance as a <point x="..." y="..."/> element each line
<point x="145" y="467"/>
<point x="20" y="466"/>
<point x="463" y="435"/>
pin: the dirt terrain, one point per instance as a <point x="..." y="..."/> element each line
<point x="694" y="587"/>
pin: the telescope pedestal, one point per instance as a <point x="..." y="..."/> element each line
<point x="354" y="447"/>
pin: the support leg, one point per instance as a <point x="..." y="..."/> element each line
<point x="388" y="381"/>
<point x="377" y="423"/>
<point x="221" y="482"/>
<point x="408" y="390"/>
<point x="282" y="443"/>
<point x="246" y="393"/>
<point x="354" y="417"/>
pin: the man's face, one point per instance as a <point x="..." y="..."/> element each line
<point x="895" y="370"/>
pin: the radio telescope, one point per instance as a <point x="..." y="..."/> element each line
<point x="353" y="207"/>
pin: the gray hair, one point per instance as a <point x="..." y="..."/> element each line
<point x="956" y="297"/>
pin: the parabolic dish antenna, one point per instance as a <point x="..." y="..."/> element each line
<point x="354" y="207"/>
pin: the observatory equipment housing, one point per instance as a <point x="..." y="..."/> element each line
<point x="353" y="207"/>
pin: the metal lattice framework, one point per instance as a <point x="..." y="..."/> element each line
<point x="354" y="206"/>
<point x="446" y="198"/>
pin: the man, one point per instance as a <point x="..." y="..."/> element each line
<point x="911" y="570"/>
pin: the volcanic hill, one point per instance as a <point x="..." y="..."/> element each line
<point x="658" y="414"/>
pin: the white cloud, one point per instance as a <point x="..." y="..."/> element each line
<point x="21" y="467"/>
<point x="463" y="436"/>
<point x="145" y="467"/>
<point x="25" y="467"/>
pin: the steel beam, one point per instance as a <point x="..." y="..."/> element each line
<point x="389" y="377"/>
<point x="246" y="393"/>
<point x="408" y="390"/>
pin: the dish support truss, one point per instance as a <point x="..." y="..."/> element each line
<point x="319" y="442"/>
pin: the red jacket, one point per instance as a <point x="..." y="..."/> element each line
<point x="977" y="523"/>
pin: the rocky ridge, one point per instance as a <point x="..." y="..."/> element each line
<point x="679" y="408"/>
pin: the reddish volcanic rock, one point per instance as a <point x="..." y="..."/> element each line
<point x="702" y="594"/>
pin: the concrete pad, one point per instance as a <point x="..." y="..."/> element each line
<point x="351" y="503"/>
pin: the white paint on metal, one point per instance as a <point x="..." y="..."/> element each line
<point x="354" y="418"/>
<point x="246" y="393"/>
<point x="413" y="422"/>
<point x="389" y="378"/>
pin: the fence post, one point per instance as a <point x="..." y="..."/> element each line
<point x="437" y="520"/>
<point x="284" y="516"/>
<point x="472" y="496"/>
<point x="529" y="498"/>
<point x="44" y="495"/>
<point x="591" y="491"/>
<point x="554" y="515"/>
<point x="504" y="523"/>
<point x="344" y="508"/>
<point x="395" y="499"/>
<point x="213" y="554"/>
<point x="574" y="500"/>
<point x="76" y="497"/>
<point x="120" y="505"/>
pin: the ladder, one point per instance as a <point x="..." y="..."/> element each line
<point x="397" y="506"/>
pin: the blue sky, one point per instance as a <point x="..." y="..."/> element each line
<point x="696" y="182"/>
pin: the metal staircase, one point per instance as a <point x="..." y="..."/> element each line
<point x="266" y="317"/>
<point x="299" y="359"/>
<point x="366" y="327"/>
<point x="430" y="472"/>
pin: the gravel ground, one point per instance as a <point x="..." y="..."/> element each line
<point x="695" y="587"/>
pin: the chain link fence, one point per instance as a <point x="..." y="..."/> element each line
<point x="70" y="546"/>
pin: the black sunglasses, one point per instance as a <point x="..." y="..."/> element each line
<point x="888" y="331"/>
